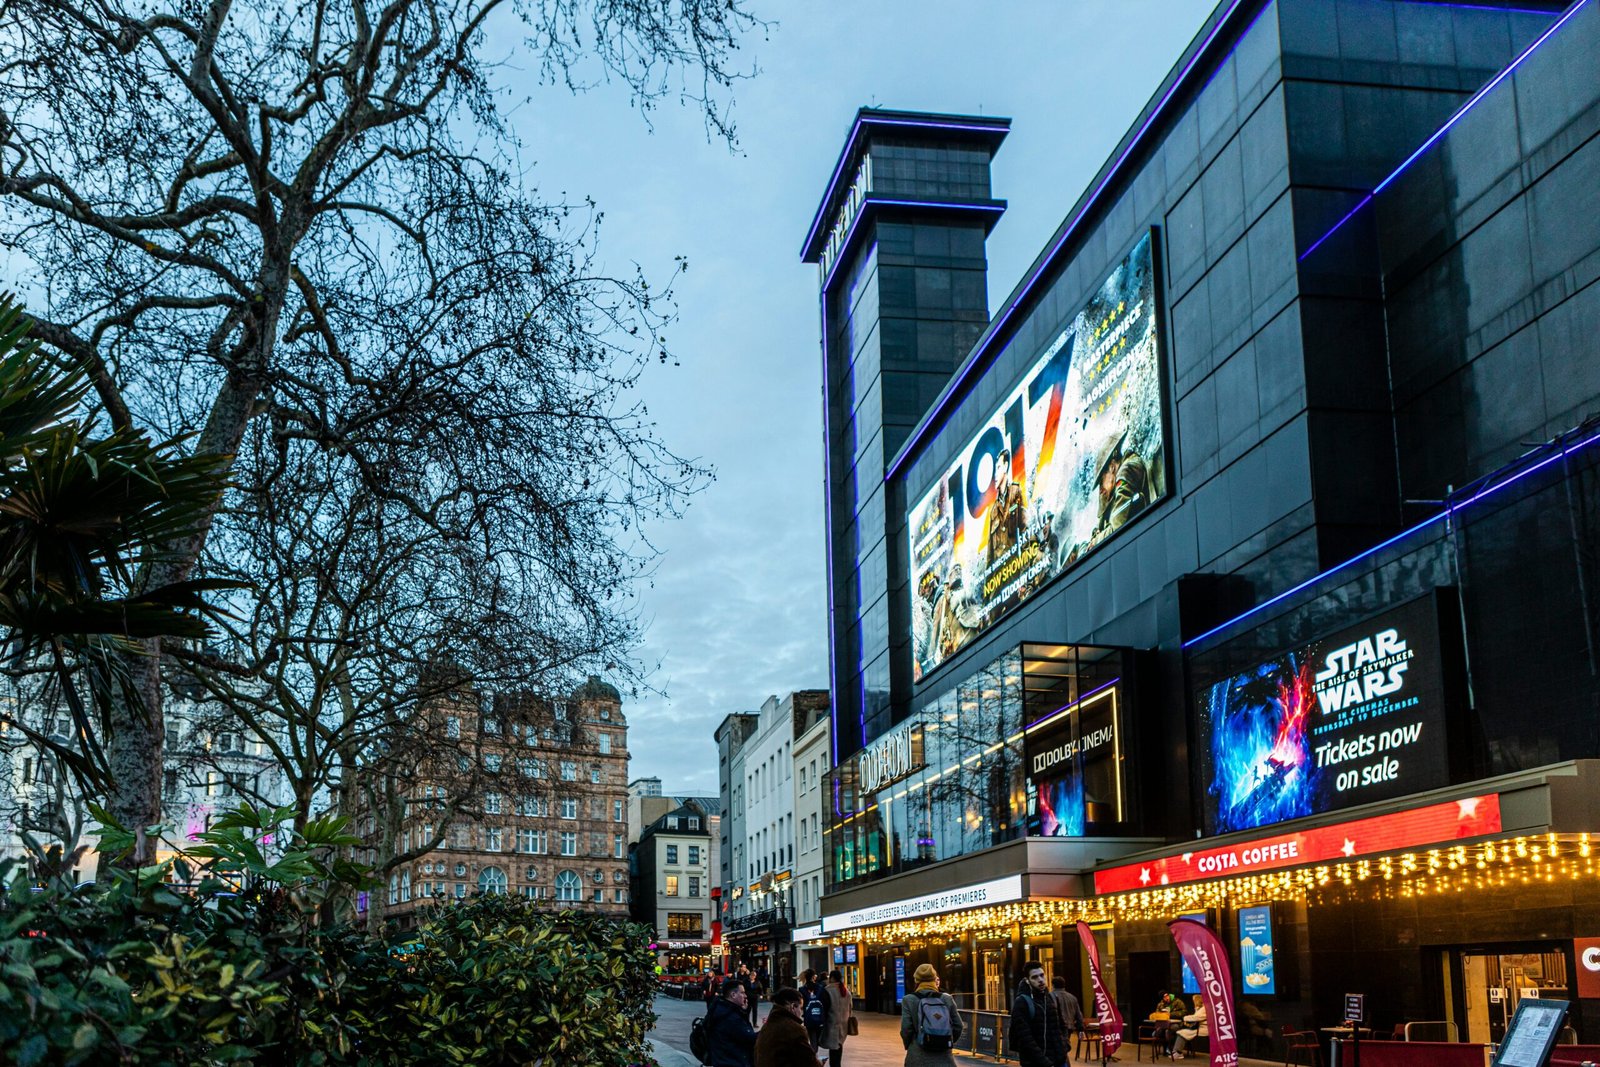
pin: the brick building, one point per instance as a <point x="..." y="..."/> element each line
<point x="528" y="796"/>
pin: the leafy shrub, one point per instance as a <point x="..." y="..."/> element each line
<point x="253" y="966"/>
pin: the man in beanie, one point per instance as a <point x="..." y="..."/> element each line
<point x="930" y="1025"/>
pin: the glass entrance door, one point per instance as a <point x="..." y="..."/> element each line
<point x="994" y="980"/>
<point x="1492" y="984"/>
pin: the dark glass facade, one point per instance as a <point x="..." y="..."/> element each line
<point x="1380" y="335"/>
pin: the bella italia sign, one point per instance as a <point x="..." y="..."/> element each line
<point x="886" y="761"/>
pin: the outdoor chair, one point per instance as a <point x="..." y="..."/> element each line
<point x="1301" y="1046"/>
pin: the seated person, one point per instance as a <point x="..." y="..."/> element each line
<point x="1196" y="1028"/>
<point x="1173" y="1007"/>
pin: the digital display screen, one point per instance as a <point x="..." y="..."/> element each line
<point x="850" y="954"/>
<point x="1353" y="718"/>
<point x="838" y="954"/>
<point x="1074" y="453"/>
<point x="1075" y="766"/>
<point x="1257" y="973"/>
<point x="1191" y="984"/>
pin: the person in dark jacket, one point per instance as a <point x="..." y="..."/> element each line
<point x="783" y="1041"/>
<point x="730" y="1039"/>
<point x="1036" y="1032"/>
<point x="812" y="988"/>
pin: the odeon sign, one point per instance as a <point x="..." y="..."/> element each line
<point x="885" y="762"/>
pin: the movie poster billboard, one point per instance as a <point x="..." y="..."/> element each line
<point x="1356" y="717"/>
<point x="1073" y="454"/>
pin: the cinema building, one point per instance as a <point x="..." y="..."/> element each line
<point x="1242" y="562"/>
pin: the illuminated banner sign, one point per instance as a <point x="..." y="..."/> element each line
<point x="1356" y="717"/>
<point x="999" y="891"/>
<point x="807" y="933"/>
<point x="1075" y="764"/>
<point x="1257" y="962"/>
<point x="1074" y="453"/>
<point x="1436" y="824"/>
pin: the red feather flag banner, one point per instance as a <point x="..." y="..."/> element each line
<point x="1202" y="950"/>
<point x="1104" y="1010"/>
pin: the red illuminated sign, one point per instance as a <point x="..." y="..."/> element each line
<point x="1434" y="825"/>
<point x="1587" y="952"/>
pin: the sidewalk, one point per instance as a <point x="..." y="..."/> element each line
<point x="877" y="1045"/>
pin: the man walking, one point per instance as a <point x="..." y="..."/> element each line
<point x="1036" y="1031"/>
<point x="1071" y="1012"/>
<point x="730" y="1039"/>
<point x="783" y="1041"/>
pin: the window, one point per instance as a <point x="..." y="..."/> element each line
<point x="599" y="896"/>
<point x="491" y="727"/>
<point x="619" y="876"/>
<point x="461" y="868"/>
<point x="594" y="775"/>
<point x="694" y="885"/>
<point x="172" y="735"/>
<point x="528" y="767"/>
<point x="452" y="726"/>
<point x="492" y="880"/>
<point x="672" y="885"/>
<point x="605" y="744"/>
<point x="685" y="924"/>
<point x="394" y="889"/>
<point x="672" y="853"/>
<point x="621" y="895"/>
<point x="491" y="763"/>
<point x="694" y="854"/>
<point x="616" y="811"/>
<point x="569" y="843"/>
<point x="494" y="839"/>
<point x="461" y="890"/>
<point x="532" y="874"/>
<point x="569" y="886"/>
<point x="621" y="845"/>
<point x="405" y="886"/>
<point x="561" y="711"/>
<point x="672" y="822"/>
<point x="569" y="771"/>
<point x="491" y="803"/>
<point x="569" y="807"/>
<point x="694" y="822"/>
<point x="534" y="842"/>
<point x="169" y="787"/>
<point x="597" y="875"/>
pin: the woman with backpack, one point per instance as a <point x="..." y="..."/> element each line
<point x="930" y="1025"/>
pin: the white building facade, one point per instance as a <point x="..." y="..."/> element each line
<point x="811" y="762"/>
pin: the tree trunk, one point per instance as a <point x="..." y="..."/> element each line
<point x="133" y="751"/>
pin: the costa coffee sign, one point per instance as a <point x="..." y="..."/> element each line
<point x="1436" y="824"/>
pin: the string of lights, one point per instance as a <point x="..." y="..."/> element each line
<point x="1480" y="867"/>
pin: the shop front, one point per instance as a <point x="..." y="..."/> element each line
<point x="761" y="941"/>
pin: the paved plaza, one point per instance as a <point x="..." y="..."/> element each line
<point x="878" y="1044"/>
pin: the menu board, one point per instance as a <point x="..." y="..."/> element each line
<point x="1532" y="1034"/>
<point x="1257" y="965"/>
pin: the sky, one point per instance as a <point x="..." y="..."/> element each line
<point x="737" y="610"/>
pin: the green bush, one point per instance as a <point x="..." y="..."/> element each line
<point x="135" y="971"/>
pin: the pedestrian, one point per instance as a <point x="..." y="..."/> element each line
<point x="730" y="1039"/>
<point x="752" y="994"/>
<point x="1035" y="1033"/>
<point x="783" y="1041"/>
<point x="814" y="996"/>
<point x="1071" y="1014"/>
<point x="839" y="1019"/>
<point x="930" y="1025"/>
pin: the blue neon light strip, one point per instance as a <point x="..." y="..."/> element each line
<point x="1047" y="263"/>
<point x="1472" y="102"/>
<point x="880" y="201"/>
<point x="1000" y="126"/>
<point x="1449" y="510"/>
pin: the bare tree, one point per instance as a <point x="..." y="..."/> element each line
<point x="300" y="233"/>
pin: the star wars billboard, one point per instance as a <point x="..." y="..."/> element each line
<point x="1073" y="454"/>
<point x="1356" y="717"/>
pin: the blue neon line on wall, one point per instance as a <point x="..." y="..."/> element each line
<point x="1047" y="263"/>
<point x="1451" y="509"/>
<point x="1472" y="102"/>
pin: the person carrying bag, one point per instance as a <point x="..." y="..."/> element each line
<point x="930" y="1025"/>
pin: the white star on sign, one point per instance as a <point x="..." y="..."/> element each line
<point x="1186" y="856"/>
<point x="1349" y="848"/>
<point x="1144" y="875"/>
<point x="1469" y="808"/>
